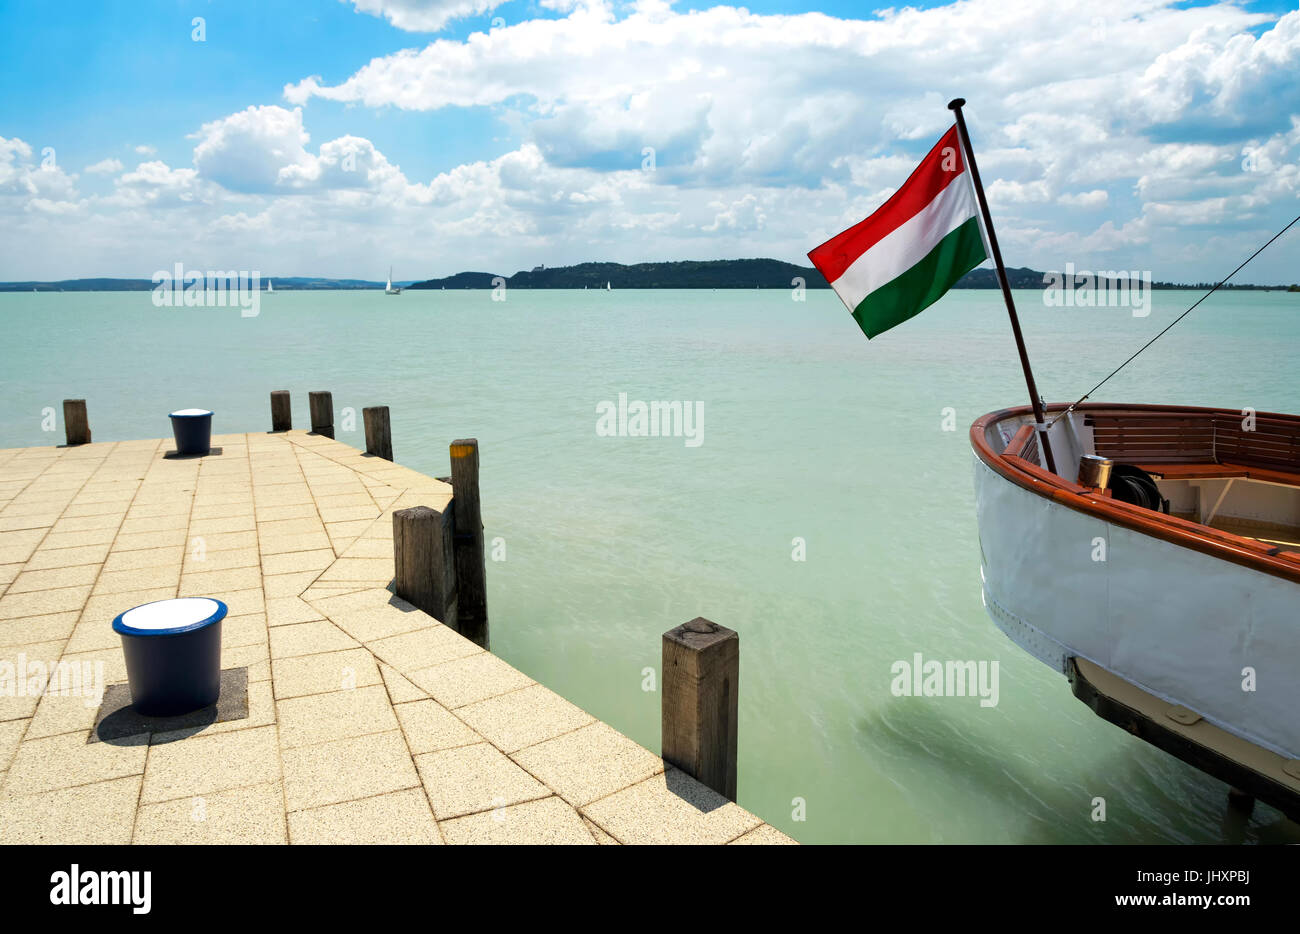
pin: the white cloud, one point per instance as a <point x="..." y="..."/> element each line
<point x="104" y="167"/>
<point x="769" y="134"/>
<point x="143" y="150"/>
<point x="424" y="15"/>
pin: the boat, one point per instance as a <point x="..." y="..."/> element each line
<point x="388" y="288"/>
<point x="1156" y="565"/>
<point x="607" y="288"/>
<point x="270" y="286"/>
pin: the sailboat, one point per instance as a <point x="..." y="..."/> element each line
<point x="270" y="287"/>
<point x="607" y="288"/>
<point x="388" y="288"/>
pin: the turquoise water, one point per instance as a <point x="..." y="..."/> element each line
<point x="809" y="432"/>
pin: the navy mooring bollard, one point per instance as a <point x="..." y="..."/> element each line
<point x="193" y="431"/>
<point x="173" y="654"/>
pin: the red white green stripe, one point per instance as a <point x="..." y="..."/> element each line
<point x="903" y="257"/>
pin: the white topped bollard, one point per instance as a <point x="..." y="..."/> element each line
<point x="173" y="654"/>
<point x="193" y="430"/>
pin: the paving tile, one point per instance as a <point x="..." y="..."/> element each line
<point x="346" y="769"/>
<point x="237" y="816"/>
<point x="379" y="570"/>
<point x="282" y="544"/>
<point x="162" y="523"/>
<point x="287" y="527"/>
<point x="289" y="562"/>
<point x="400" y="817"/>
<point x="66" y="760"/>
<point x="199" y="582"/>
<point x="118" y="561"/>
<point x="43" y="602"/>
<point x="285" y="611"/>
<point x="197" y="560"/>
<point x="240" y="602"/>
<point x="430" y="727"/>
<point x="54" y="578"/>
<point x="524" y="717"/>
<point x="599" y="835"/>
<point x="238" y="631"/>
<point x="11" y="732"/>
<point x="400" y="690"/>
<point x="99" y="813"/>
<point x="206" y="763"/>
<point x="765" y="834"/>
<point x="470" y="679"/>
<point x="469" y="779"/>
<point x="229" y="541"/>
<point x="52" y="627"/>
<point x="370" y="615"/>
<point x="286" y="585"/>
<point x="139" y="540"/>
<point x="112" y="582"/>
<point x="318" y="674"/>
<point x="309" y="639"/>
<point x="293" y="511"/>
<point x="18" y="546"/>
<point x="319" y="718"/>
<point x="256" y="658"/>
<point x="670" y="807"/>
<point x="234" y="523"/>
<point x="423" y="648"/>
<point x="545" y="822"/>
<point x="224" y="510"/>
<point x="589" y="763"/>
<point x="46" y="558"/>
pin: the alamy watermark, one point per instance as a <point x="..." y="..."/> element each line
<point x="638" y="419"/>
<point x="933" y="678"/>
<point x="1103" y="289"/>
<point x="24" y="677"/>
<point x="221" y="288"/>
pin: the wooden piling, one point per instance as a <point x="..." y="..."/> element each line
<point x="701" y="671"/>
<point x="281" y="411"/>
<point x="424" y="561"/>
<point x="379" y="439"/>
<point x="76" y="425"/>
<point x="471" y="562"/>
<point x="322" y="413"/>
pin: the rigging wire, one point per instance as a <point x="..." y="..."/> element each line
<point x="1175" y="321"/>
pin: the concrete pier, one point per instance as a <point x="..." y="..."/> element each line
<point x="362" y="719"/>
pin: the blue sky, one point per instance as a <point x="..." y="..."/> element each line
<point x="337" y="136"/>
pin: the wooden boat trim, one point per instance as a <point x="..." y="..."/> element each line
<point x="1238" y="549"/>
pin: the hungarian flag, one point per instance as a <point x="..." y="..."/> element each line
<point x="903" y="257"/>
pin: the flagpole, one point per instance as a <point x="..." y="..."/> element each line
<point x="955" y="106"/>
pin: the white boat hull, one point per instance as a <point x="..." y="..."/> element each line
<point x="1218" y="638"/>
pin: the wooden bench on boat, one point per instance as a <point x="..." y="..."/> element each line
<point x="1200" y="445"/>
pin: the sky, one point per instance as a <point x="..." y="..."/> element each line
<point x="338" y="137"/>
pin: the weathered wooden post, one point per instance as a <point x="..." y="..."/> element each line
<point x="701" y="669"/>
<point x="281" y="411"/>
<point x="424" y="561"/>
<point x="379" y="439"/>
<point x="322" y="413"/>
<point x="75" y="423"/>
<point x="471" y="566"/>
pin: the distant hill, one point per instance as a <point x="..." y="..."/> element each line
<point x="282" y="284"/>
<point x="688" y="274"/>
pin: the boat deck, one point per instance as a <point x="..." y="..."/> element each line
<point x="364" y="720"/>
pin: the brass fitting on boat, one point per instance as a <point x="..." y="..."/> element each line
<point x="1094" y="471"/>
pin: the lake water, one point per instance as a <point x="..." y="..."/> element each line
<point x="809" y="432"/>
